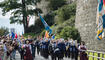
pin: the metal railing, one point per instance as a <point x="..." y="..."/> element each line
<point x="95" y="55"/>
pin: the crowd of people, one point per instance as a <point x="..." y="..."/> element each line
<point x="45" y="47"/>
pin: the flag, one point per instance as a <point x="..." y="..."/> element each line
<point x="46" y="25"/>
<point x="100" y="20"/>
<point x="104" y="5"/>
<point x="46" y="34"/>
<point x="16" y="36"/>
<point x="103" y="17"/>
<point x="53" y="37"/>
<point x="50" y="31"/>
<point x="13" y="35"/>
<point x="100" y="3"/>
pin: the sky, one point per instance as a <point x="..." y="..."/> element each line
<point x="5" y="22"/>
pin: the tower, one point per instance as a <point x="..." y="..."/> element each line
<point x="86" y="24"/>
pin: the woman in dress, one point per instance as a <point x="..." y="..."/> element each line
<point x="82" y="48"/>
<point x="28" y="54"/>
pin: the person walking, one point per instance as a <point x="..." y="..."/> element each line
<point x="33" y="49"/>
<point x="28" y="55"/>
<point x="82" y="48"/>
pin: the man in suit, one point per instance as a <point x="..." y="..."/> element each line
<point x="33" y="49"/>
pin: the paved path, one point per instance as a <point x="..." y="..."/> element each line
<point x="37" y="57"/>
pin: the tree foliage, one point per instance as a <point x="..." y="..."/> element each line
<point x="19" y="10"/>
<point x="16" y="6"/>
<point x="65" y="20"/>
<point x="70" y="32"/>
<point x="56" y="4"/>
<point x="3" y="31"/>
<point x="70" y="22"/>
<point x="65" y="13"/>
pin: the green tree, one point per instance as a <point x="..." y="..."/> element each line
<point x="70" y="32"/>
<point x="55" y="4"/>
<point x="3" y="31"/>
<point x="19" y="11"/>
<point x="66" y="12"/>
<point x="69" y="22"/>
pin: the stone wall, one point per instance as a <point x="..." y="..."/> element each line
<point x="86" y="24"/>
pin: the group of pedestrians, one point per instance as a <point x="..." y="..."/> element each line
<point x="45" y="47"/>
<point x="60" y="48"/>
<point x="8" y="48"/>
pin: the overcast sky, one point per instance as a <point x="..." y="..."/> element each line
<point x="5" y="22"/>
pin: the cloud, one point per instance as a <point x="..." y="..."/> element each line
<point x="1" y="0"/>
<point x="4" y="17"/>
<point x="5" y="22"/>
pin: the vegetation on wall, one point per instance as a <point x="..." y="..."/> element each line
<point x="61" y="20"/>
<point x="66" y="12"/>
<point x="56" y="4"/>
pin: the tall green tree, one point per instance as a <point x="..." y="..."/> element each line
<point x="19" y="11"/>
<point x="4" y="31"/>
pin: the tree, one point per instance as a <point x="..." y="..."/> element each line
<point x="3" y="31"/>
<point x="55" y="4"/>
<point x="70" y="32"/>
<point x="65" y="13"/>
<point x="19" y="10"/>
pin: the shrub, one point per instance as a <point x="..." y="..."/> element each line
<point x="70" y="32"/>
<point x="66" y="12"/>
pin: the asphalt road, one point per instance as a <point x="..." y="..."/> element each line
<point x="38" y="57"/>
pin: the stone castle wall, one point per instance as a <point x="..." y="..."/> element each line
<point x="86" y="24"/>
